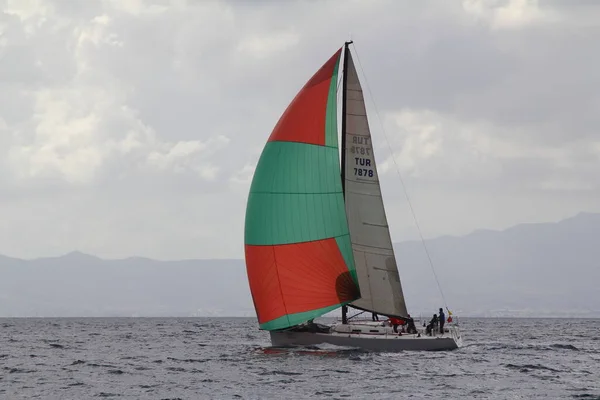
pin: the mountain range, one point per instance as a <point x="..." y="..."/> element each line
<point x="529" y="270"/>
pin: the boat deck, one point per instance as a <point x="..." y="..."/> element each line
<point x="371" y="336"/>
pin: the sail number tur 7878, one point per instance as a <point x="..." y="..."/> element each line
<point x="363" y="166"/>
<point x="363" y="171"/>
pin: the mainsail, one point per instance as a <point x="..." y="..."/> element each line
<point x="378" y="277"/>
<point x="298" y="252"/>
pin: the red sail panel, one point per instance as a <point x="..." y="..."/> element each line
<point x="304" y="119"/>
<point x="293" y="278"/>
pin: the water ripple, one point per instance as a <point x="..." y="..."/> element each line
<point x="130" y="358"/>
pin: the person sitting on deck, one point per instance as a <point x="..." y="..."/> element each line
<point x="411" y="328"/>
<point x="432" y="324"/>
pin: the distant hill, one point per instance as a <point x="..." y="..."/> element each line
<point x="549" y="269"/>
<point x="531" y="269"/>
<point x="81" y="285"/>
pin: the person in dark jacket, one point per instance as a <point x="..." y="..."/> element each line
<point x="410" y="325"/>
<point x="432" y="324"/>
<point x="442" y="319"/>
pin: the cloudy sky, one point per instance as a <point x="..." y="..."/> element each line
<point x="132" y="127"/>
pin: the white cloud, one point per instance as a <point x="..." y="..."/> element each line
<point x="32" y="13"/>
<point x="244" y="176"/>
<point x="76" y="131"/>
<point x="438" y="149"/>
<point x="509" y="14"/>
<point x="78" y="127"/>
<point x="268" y="44"/>
<point x="188" y="156"/>
<point x="141" y="7"/>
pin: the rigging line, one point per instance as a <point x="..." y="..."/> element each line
<point x="414" y="215"/>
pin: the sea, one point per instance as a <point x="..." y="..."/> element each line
<point x="230" y="358"/>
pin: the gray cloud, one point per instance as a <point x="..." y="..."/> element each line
<point x="132" y="127"/>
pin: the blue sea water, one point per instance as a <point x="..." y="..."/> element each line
<point x="229" y="358"/>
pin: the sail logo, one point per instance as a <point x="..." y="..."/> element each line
<point x="363" y="151"/>
<point x="361" y="140"/>
<point x="363" y="162"/>
<point x="363" y="148"/>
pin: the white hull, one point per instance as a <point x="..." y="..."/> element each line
<point x="370" y="337"/>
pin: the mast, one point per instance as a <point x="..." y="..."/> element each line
<point x="343" y="166"/>
<point x="344" y="86"/>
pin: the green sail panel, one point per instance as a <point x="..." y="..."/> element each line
<point x="297" y="197"/>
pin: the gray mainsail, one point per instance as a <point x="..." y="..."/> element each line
<point x="378" y="278"/>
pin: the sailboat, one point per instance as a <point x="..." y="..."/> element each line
<point x="316" y="232"/>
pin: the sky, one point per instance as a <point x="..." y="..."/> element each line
<point x="132" y="127"/>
